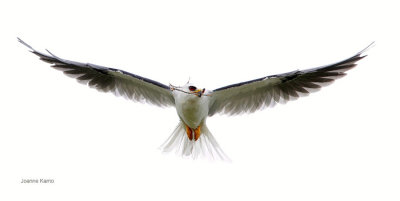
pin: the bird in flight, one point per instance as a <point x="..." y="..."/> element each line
<point x="192" y="138"/>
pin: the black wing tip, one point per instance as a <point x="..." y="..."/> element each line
<point x="26" y="44"/>
<point x="56" y="57"/>
<point x="43" y="57"/>
<point x="362" y="52"/>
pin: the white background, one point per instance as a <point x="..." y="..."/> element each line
<point x="341" y="143"/>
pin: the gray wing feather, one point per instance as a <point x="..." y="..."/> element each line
<point x="249" y="96"/>
<point x="105" y="79"/>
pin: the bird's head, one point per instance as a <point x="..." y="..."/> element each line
<point x="194" y="90"/>
<point x="189" y="88"/>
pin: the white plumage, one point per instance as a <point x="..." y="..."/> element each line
<point x="192" y="138"/>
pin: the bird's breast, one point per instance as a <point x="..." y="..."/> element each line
<point x="192" y="109"/>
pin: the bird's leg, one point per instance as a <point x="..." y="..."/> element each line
<point x="189" y="132"/>
<point x="197" y="133"/>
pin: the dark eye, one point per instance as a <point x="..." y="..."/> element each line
<point x="192" y="88"/>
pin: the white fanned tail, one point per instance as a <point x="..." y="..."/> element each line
<point x="205" y="147"/>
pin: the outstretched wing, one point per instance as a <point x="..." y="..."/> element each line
<point x="264" y="92"/>
<point x="105" y="79"/>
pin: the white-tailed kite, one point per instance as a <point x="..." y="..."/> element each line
<point x="191" y="138"/>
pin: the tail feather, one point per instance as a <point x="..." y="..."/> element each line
<point x="205" y="147"/>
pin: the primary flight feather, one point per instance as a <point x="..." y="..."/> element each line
<point x="193" y="104"/>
